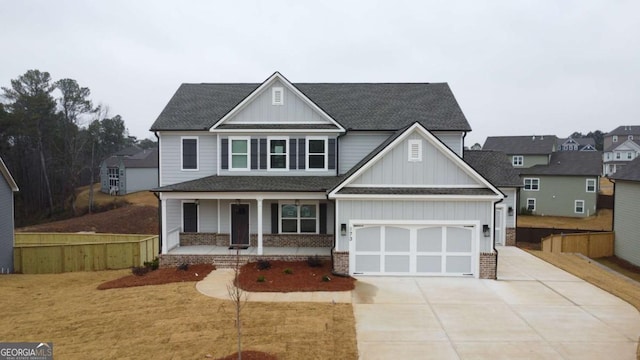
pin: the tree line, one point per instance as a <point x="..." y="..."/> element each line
<point x="52" y="138"/>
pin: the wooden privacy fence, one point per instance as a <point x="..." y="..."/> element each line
<point x="593" y="245"/>
<point x="46" y="253"/>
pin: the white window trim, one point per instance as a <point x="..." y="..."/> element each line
<point x="575" y="206"/>
<point x="182" y="138"/>
<point x="630" y="137"/>
<point x="614" y="138"/>
<point x="532" y="179"/>
<point x="300" y="203"/>
<point x="326" y="152"/>
<point x="286" y="152"/>
<point x="519" y="157"/>
<point x="182" y="213"/>
<point x="629" y="156"/>
<point x="230" y="153"/>
<point x="274" y="91"/>
<point x="594" y="185"/>
<point x="534" y="204"/>
<point x="618" y="156"/>
<point x="411" y="144"/>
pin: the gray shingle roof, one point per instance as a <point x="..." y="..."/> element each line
<point x="625" y="130"/>
<point x="579" y="141"/>
<point x="630" y="171"/>
<point x="277" y="126"/>
<point x="255" y="183"/>
<point x="521" y="145"/>
<point x="494" y="166"/>
<point x="613" y="146"/>
<point x="414" y="191"/>
<point x="357" y="106"/>
<point x="579" y="163"/>
<point x="143" y="159"/>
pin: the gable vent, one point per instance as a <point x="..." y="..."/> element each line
<point x="415" y="150"/>
<point x="277" y="96"/>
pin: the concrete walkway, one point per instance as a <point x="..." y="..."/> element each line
<point x="534" y="311"/>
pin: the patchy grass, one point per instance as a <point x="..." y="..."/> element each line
<point x="602" y="221"/>
<point x="590" y="271"/>
<point x="606" y="186"/>
<point x="102" y="200"/>
<point x="624" y="267"/>
<point x="172" y="321"/>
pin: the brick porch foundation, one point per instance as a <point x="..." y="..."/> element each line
<point x="340" y="261"/>
<point x="268" y="240"/>
<point x="488" y="265"/>
<point x="226" y="261"/>
<point x="510" y="237"/>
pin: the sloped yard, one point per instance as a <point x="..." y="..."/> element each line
<point x="172" y="321"/>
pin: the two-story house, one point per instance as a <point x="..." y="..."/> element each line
<point x="7" y="189"/>
<point x="369" y="175"/>
<point x="576" y="144"/>
<point x="129" y="170"/>
<point x="625" y="213"/>
<point x="559" y="183"/>
<point x="621" y="146"/>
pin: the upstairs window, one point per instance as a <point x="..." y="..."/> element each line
<point x="617" y="156"/>
<point x="317" y="153"/>
<point x="531" y="184"/>
<point x="189" y="153"/>
<point x="415" y="150"/>
<point x="517" y="160"/>
<point x="591" y="185"/>
<point x="277" y="96"/>
<point x="239" y="153"/>
<point x="278" y="153"/>
<point x="630" y="137"/>
<point x="629" y="156"/>
<point x="614" y="138"/>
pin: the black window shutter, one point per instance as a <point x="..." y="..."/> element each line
<point x="292" y="154"/>
<point x="190" y="217"/>
<point x="274" y="218"/>
<point x="263" y="154"/>
<point x="323" y="218"/>
<point x="224" y="153"/>
<point x="254" y="153"/>
<point x="332" y="154"/>
<point x="301" y="154"/>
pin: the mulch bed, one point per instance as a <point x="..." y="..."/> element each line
<point x="160" y="276"/>
<point x="302" y="278"/>
<point x="250" y="355"/>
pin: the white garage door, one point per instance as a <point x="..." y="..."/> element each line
<point x="412" y="250"/>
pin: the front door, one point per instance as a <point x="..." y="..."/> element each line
<point x="240" y="224"/>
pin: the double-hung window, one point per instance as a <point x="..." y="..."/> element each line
<point x="531" y="184"/>
<point x="617" y="156"/>
<point x="317" y="153"/>
<point x="579" y="206"/>
<point x="531" y="204"/>
<point x="278" y="154"/>
<point x="299" y="218"/>
<point x="189" y="153"/>
<point x="518" y="160"/>
<point x="239" y="148"/>
<point x="591" y="185"/>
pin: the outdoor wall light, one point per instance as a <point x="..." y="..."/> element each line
<point x="510" y="211"/>
<point x="485" y="230"/>
<point x="343" y="229"/>
<point x="197" y="202"/>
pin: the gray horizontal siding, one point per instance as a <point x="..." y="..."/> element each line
<point x="171" y="157"/>
<point x="355" y="145"/>
<point x="557" y="194"/>
<point x="625" y="222"/>
<point x="6" y="227"/>
<point x="139" y="179"/>
<point x="510" y="201"/>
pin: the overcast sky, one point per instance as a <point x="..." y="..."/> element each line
<point x="516" y="67"/>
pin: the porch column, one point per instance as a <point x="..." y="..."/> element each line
<point x="163" y="234"/>
<point x="259" y="226"/>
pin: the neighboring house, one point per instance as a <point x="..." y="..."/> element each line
<point x="129" y="170"/>
<point x="625" y="214"/>
<point x="621" y="145"/>
<point x="577" y="144"/>
<point x="524" y="151"/>
<point x="496" y="167"/>
<point x="369" y="175"/>
<point x="568" y="186"/>
<point x="7" y="188"/>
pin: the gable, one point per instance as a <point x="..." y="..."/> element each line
<point x="415" y="159"/>
<point x="277" y="105"/>
<point x="627" y="146"/>
<point x="7" y="176"/>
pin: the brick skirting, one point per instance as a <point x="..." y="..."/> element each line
<point x="488" y="263"/>
<point x="341" y="262"/>
<point x="510" y="237"/>
<point x="226" y="261"/>
<point x="268" y="240"/>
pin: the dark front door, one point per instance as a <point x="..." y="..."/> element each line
<point x="239" y="224"/>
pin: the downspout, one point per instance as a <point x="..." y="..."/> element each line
<point x="159" y="201"/>
<point x="335" y="212"/>
<point x="495" y="204"/>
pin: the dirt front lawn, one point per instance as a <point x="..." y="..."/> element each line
<point x="172" y="321"/>
<point x="160" y="277"/>
<point x="602" y="221"/>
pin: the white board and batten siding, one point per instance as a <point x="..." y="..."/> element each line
<point x="510" y="200"/>
<point x="260" y="109"/>
<point x="625" y="221"/>
<point x="171" y="157"/>
<point x="453" y="140"/>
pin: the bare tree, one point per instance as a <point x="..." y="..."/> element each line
<point x="239" y="299"/>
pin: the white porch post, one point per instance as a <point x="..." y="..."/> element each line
<point x="259" y="226"/>
<point x="163" y="206"/>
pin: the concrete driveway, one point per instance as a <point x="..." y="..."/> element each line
<point x="534" y="311"/>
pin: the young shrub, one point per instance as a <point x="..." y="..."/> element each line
<point x="263" y="265"/>
<point x="139" y="270"/>
<point x="326" y="278"/>
<point x="314" y="261"/>
<point x="183" y="266"/>
<point x="261" y="279"/>
<point x="153" y="264"/>
<point x="288" y="271"/>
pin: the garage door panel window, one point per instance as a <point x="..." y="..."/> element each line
<point x="396" y="263"/>
<point x="368" y="239"/>
<point x="429" y="239"/>
<point x="368" y="263"/>
<point x="459" y="264"/>
<point x="458" y="240"/>
<point x="396" y="239"/>
<point x="428" y="264"/>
